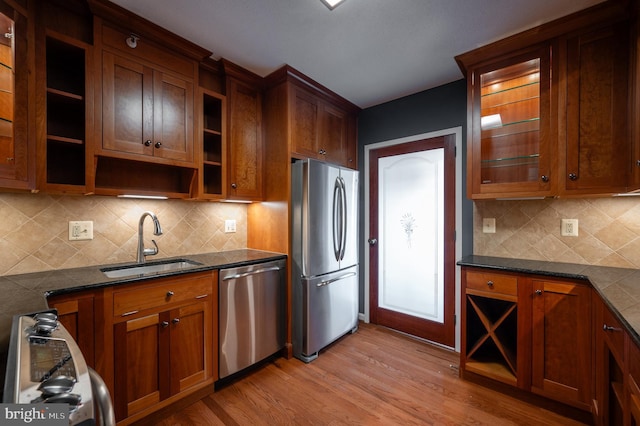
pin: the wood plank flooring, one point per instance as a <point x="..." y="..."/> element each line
<point x="373" y="377"/>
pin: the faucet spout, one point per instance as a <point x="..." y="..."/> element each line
<point x="157" y="230"/>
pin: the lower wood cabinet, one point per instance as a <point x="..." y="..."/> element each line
<point x="533" y="334"/>
<point x="561" y="341"/>
<point x="163" y="342"/>
<point x="77" y="313"/>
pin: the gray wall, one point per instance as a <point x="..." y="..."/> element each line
<point x="435" y="109"/>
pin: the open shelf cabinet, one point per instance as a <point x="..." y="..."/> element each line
<point x="214" y="150"/>
<point x="66" y="115"/>
<point x="491" y="337"/>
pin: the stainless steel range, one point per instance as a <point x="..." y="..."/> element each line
<point x="45" y="366"/>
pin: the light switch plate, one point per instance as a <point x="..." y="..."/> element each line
<point x="80" y="230"/>
<point x="489" y="225"/>
<point x="229" y="225"/>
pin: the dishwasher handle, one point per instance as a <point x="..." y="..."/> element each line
<point x="248" y="273"/>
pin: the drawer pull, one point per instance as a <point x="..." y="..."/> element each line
<point x="610" y="328"/>
<point x="490" y="284"/>
<point x="129" y="313"/>
<point x="170" y="293"/>
<point x="202" y="296"/>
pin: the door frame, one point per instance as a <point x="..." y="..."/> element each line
<point x="457" y="132"/>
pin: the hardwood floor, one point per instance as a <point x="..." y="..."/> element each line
<point x="373" y="377"/>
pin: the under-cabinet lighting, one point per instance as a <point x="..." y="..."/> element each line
<point x="628" y="194"/>
<point x="146" y="197"/>
<point x="332" y="4"/>
<point x="490" y="122"/>
<point x="236" y="201"/>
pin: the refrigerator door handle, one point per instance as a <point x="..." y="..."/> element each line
<point x="337" y="219"/>
<point x="341" y="277"/>
<point x="343" y="220"/>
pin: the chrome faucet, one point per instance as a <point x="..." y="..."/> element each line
<point x="157" y="230"/>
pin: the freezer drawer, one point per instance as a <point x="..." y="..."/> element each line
<point x="252" y="314"/>
<point x="329" y="310"/>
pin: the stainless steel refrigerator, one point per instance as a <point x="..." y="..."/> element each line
<point x="324" y="255"/>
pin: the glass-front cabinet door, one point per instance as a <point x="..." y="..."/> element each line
<point x="511" y="140"/>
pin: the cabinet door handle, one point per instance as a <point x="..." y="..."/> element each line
<point x="234" y="186"/>
<point x="175" y="320"/>
<point x="164" y="324"/>
<point x="606" y="327"/>
<point x="147" y="142"/>
<point x="573" y="176"/>
<point x="544" y="178"/>
<point x="170" y="293"/>
<point x="158" y="144"/>
<point x="490" y="284"/>
<point x="538" y="292"/>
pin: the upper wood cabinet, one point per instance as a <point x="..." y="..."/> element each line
<point x="17" y="82"/>
<point x="510" y="125"/>
<point x="549" y="108"/>
<point x="146" y="111"/>
<point x="320" y="129"/>
<point x="245" y="144"/>
<point x="315" y="122"/>
<point x="596" y="130"/>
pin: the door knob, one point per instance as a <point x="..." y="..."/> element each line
<point x="158" y="144"/>
<point x="147" y="142"/>
<point x="372" y="241"/>
<point x="175" y="320"/>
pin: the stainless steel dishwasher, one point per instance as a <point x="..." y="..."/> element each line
<point x="252" y="314"/>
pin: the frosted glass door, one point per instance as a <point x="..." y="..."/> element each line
<point x="410" y="234"/>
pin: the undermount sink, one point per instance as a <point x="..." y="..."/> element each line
<point x="151" y="268"/>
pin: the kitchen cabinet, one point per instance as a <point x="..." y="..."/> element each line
<point x="77" y="313"/>
<point x="212" y="128"/>
<point x="246" y="155"/>
<point x="17" y="145"/>
<point x="321" y="130"/>
<point x="144" y="103"/>
<point x="561" y="341"/>
<point x="610" y="360"/>
<point x="633" y="383"/>
<point x="548" y="109"/>
<point x="163" y="342"/>
<point x="146" y="111"/>
<point x="510" y="125"/>
<point x="528" y="332"/>
<point x="64" y="140"/>
<point x="598" y="144"/>
<point x="490" y="338"/>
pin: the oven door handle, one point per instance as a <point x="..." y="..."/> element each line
<point x="106" y="415"/>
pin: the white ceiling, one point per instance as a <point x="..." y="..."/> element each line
<point x="368" y="51"/>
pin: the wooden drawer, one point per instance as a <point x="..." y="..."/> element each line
<point x="161" y="294"/>
<point x="613" y="332"/>
<point x="491" y="282"/>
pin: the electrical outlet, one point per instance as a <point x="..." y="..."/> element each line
<point x="489" y="225"/>
<point x="229" y="225"/>
<point x="569" y="228"/>
<point x="80" y="230"/>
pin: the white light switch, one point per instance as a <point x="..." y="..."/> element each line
<point x="489" y="225"/>
<point x="80" y="230"/>
<point x="229" y="225"/>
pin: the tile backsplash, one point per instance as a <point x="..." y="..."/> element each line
<point x="34" y="230"/>
<point x="608" y="230"/>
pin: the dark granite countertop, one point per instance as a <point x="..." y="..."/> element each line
<point x="26" y="293"/>
<point x="618" y="287"/>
